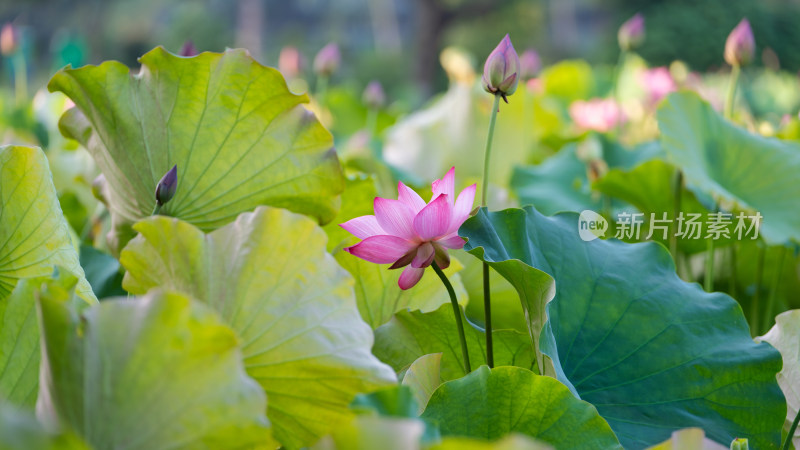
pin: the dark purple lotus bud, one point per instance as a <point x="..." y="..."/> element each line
<point x="501" y="70"/>
<point x="631" y="33"/>
<point x="165" y="189"/>
<point x="740" y="46"/>
<point x="529" y="64"/>
<point x="374" y="97"/>
<point x="9" y="39"/>
<point x="188" y="49"/>
<point x="327" y="60"/>
<point x="290" y="62"/>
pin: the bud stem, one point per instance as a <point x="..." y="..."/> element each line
<point x="20" y="76"/>
<point x="708" y="282"/>
<point x="156" y="209"/>
<point x="487" y="291"/>
<point x="487" y="154"/>
<point x="457" y="312"/>
<point x="322" y="89"/>
<point x="792" y="429"/>
<point x="731" y="95"/>
<point x="773" y="290"/>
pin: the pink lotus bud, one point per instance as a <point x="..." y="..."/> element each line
<point x="374" y="97"/>
<point x="631" y="33"/>
<point x="529" y="64"/>
<point x="501" y="71"/>
<point x="9" y="40"/>
<point x="740" y="46"/>
<point x="327" y="60"/>
<point x="165" y="189"/>
<point x="188" y="49"/>
<point x="290" y="62"/>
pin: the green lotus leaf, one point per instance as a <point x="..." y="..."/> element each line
<point x="411" y="334"/>
<point x="19" y="430"/>
<point x="375" y="432"/>
<point x="557" y="184"/>
<point x="649" y="187"/>
<point x="688" y="439"/>
<point x="34" y="236"/>
<point x="270" y="278"/>
<point x="423" y="377"/>
<point x="19" y="345"/>
<point x="785" y="336"/>
<point x="102" y="271"/>
<point x="156" y="372"/>
<point x="239" y="137"/>
<point x="378" y="295"/>
<point x="513" y="441"/>
<point x="490" y="403"/>
<point x="654" y="354"/>
<point x="742" y="171"/>
<point x="560" y="183"/>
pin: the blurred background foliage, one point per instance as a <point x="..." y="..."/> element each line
<point x="395" y="41"/>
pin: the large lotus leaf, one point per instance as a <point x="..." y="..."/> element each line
<point x="741" y="170"/>
<point x="270" y="278"/>
<point x="156" y="372"/>
<point x="560" y="183"/>
<point x="34" y="236"/>
<point x="490" y="403"/>
<point x="378" y="295"/>
<point x="649" y="187"/>
<point x="513" y="441"/>
<point x="19" y="430"/>
<point x="102" y="272"/>
<point x="375" y="432"/>
<point x="239" y="137"/>
<point x="653" y="353"/>
<point x="688" y="439"/>
<point x="411" y="334"/>
<point x="19" y="345"/>
<point x="785" y="336"/>
<point x="423" y="377"/>
<point x="557" y="184"/>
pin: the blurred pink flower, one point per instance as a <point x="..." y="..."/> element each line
<point x="409" y="232"/>
<point x="290" y="62"/>
<point x="529" y="64"/>
<point x="596" y="114"/>
<point x="657" y="83"/>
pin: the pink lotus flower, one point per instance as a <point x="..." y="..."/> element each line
<point x="409" y="232"/>
<point x="598" y="114"/>
<point x="658" y="83"/>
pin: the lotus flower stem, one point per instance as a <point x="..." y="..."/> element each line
<point x="677" y="189"/>
<point x="755" y="305"/>
<point x="773" y="290"/>
<point x="732" y="290"/>
<point x="790" y="434"/>
<point x="322" y="89"/>
<point x="20" y="77"/>
<point x="457" y="312"/>
<point x="731" y="95"/>
<point x="487" y="289"/>
<point x="623" y="57"/>
<point x="156" y="210"/>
